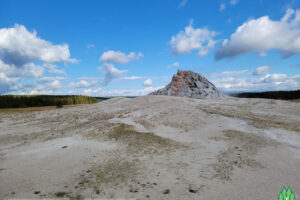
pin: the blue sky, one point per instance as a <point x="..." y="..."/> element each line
<point x="132" y="47"/>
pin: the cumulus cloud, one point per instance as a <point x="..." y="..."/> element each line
<point x="118" y="92"/>
<point x="53" y="69"/>
<point x="49" y="85"/>
<point x="11" y="74"/>
<point x="148" y="82"/>
<point x="53" y="84"/>
<point x="20" y="50"/>
<point x="263" y="34"/>
<point x="50" y="78"/>
<point x="266" y="83"/>
<point x="132" y="78"/>
<point x="92" y="92"/>
<point x="6" y="83"/>
<point x="110" y="73"/>
<point x="110" y="58"/>
<point x="258" y="71"/>
<point x="82" y="84"/>
<point x="117" y="57"/>
<point x="261" y="70"/>
<point x="18" y="46"/>
<point x="230" y="73"/>
<point x="193" y="39"/>
<point x="274" y="78"/>
<point x="175" y="64"/>
<point x="126" y="92"/>
<point x="29" y="70"/>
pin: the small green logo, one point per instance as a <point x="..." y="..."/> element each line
<point x="286" y="194"/>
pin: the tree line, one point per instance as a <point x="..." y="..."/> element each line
<point x="284" y="95"/>
<point x="22" y="101"/>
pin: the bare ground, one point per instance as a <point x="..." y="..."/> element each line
<point x="152" y="147"/>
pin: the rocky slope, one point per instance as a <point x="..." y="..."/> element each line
<point x="189" y="84"/>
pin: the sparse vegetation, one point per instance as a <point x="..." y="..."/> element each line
<point x="22" y="101"/>
<point x="60" y="194"/>
<point x="284" y="95"/>
<point x="241" y="151"/>
<point x="142" y="142"/>
<point x="167" y="191"/>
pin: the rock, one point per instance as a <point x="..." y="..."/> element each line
<point x="194" y="189"/>
<point x="189" y="84"/>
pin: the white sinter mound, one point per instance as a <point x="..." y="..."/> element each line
<point x="189" y="84"/>
<point x="152" y="147"/>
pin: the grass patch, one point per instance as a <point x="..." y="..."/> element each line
<point x="259" y="121"/>
<point x="61" y="194"/>
<point x="115" y="172"/>
<point x="119" y="171"/>
<point x="142" y="142"/>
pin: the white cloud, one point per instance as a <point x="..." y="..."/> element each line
<point x="233" y="2"/>
<point x="222" y="6"/>
<point x="49" y="86"/>
<point x="269" y="82"/>
<point x="11" y="74"/>
<point x="263" y="34"/>
<point x="53" y="85"/>
<point x="117" y="57"/>
<point x="42" y="92"/>
<point x="128" y="92"/>
<point x="258" y="71"/>
<point x="82" y="84"/>
<point x="132" y="78"/>
<point x="92" y="92"/>
<point x="182" y="3"/>
<point x="29" y="70"/>
<point x="274" y="78"/>
<point x="53" y="69"/>
<point x="148" y="82"/>
<point x="50" y="78"/>
<point x="175" y="64"/>
<point x="20" y="50"/>
<point x="6" y="82"/>
<point x="119" y="92"/>
<point x="18" y="46"/>
<point x="110" y="73"/>
<point x="288" y="14"/>
<point x="192" y="39"/>
<point x="230" y="73"/>
<point x="261" y="70"/>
